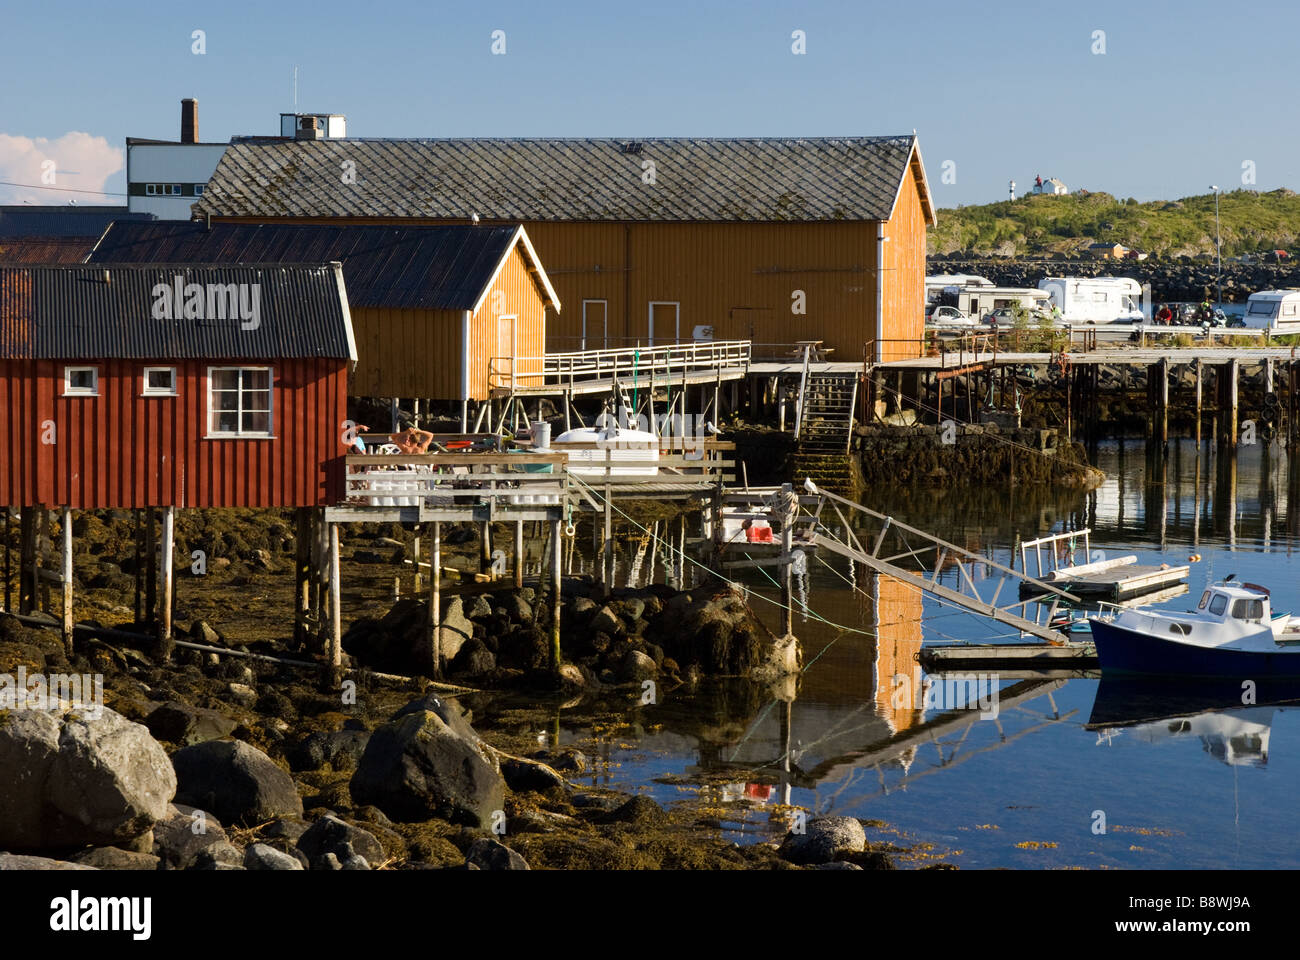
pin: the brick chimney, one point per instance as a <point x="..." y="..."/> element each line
<point x="189" y="121"/>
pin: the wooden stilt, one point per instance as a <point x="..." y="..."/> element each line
<point x="435" y="602"/>
<point x="27" y="560"/>
<point x="1233" y="371"/>
<point x="166" y="570"/>
<point x="519" y="554"/>
<point x="301" y="576"/>
<point x="8" y="564"/>
<point x="607" y="549"/>
<point x="485" y="547"/>
<point x="789" y="503"/>
<point x="556" y="599"/>
<point x="336" y="618"/>
<point x="1198" y="403"/>
<point x="67" y="580"/>
<point x="137" y="537"/>
<point x="415" y="564"/>
<point x="151" y="569"/>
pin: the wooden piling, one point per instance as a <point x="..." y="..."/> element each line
<point x="8" y="564"/>
<point x="67" y="580"/>
<point x="434" y="622"/>
<point x="1233" y="371"/>
<point x="1197" y="364"/>
<point x="607" y="548"/>
<point x="556" y="598"/>
<point x="789" y="502"/>
<point x="151" y="569"/>
<point x="27" y="560"/>
<point x="301" y="576"/>
<point x="1162" y="400"/>
<point x="519" y="554"/>
<point x="485" y="547"/>
<point x="166" y="570"/>
<point x="336" y="618"/>
<point x="415" y="552"/>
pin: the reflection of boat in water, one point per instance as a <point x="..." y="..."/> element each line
<point x="1231" y="633"/>
<point x="1153" y="711"/>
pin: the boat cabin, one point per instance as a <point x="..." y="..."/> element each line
<point x="1245" y="603"/>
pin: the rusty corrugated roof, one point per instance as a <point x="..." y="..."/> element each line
<point x="430" y="267"/>
<point x="110" y="311"/>
<point x="666" y="179"/>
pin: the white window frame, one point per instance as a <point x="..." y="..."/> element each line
<point x="677" y="322"/>
<point x="148" y="391"/>
<point x="70" y="391"/>
<point x="604" y="332"/>
<point x="240" y="433"/>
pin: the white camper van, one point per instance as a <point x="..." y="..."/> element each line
<point x="1096" y="299"/>
<point x="1277" y="310"/>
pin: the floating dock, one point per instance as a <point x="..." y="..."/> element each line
<point x="1119" y="583"/>
<point x="1068" y="655"/>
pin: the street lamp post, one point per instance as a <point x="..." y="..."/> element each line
<point x="1218" y="248"/>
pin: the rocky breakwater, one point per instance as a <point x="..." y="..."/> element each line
<point x="501" y="638"/>
<point x="971" y="454"/>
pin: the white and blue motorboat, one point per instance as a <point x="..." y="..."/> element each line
<point x="1231" y="633"/>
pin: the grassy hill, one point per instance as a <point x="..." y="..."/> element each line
<point x="1250" y="222"/>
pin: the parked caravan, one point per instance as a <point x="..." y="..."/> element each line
<point x="1095" y="299"/>
<point x="1277" y="310"/>
<point x="982" y="301"/>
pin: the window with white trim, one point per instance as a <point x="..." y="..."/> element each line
<point x="239" y="401"/>
<point x="81" y="381"/>
<point x="159" y="382"/>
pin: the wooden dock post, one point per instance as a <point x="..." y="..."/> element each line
<point x="151" y="569"/>
<point x="301" y="576"/>
<point x="137" y="538"/>
<point x="1233" y="370"/>
<point x="8" y="565"/>
<point x="166" y="570"/>
<point x="27" y="560"/>
<point x="485" y="547"/>
<point x="1162" y="399"/>
<point x="67" y="580"/>
<point x="336" y="617"/>
<point x="556" y="594"/>
<point x="519" y="554"/>
<point x="789" y="504"/>
<point x="607" y="548"/>
<point x="1197" y="364"/>
<point x="435" y="601"/>
<point x="415" y="552"/>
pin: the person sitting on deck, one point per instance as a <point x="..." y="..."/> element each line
<point x="1164" y="315"/>
<point x="412" y="439"/>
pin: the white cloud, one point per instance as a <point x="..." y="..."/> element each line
<point x="80" y="162"/>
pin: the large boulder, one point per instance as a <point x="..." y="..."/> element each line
<point x="488" y="854"/>
<point x="12" y="861"/>
<point x="181" y="837"/>
<point x="329" y="834"/>
<point x="341" y="749"/>
<point x="454" y="630"/>
<point x="428" y="762"/>
<point x="184" y="725"/>
<point x="823" y="840"/>
<point x="79" y="778"/>
<point x="237" y="782"/>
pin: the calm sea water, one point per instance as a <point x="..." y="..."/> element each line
<point x="1072" y="771"/>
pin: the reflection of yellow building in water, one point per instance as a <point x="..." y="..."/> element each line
<point x="898" y="642"/>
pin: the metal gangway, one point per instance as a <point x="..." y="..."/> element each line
<point x="864" y="540"/>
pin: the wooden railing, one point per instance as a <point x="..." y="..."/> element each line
<point x="624" y="363"/>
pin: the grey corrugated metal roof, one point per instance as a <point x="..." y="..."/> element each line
<point x="107" y="311"/>
<point x="432" y="267"/>
<point x="695" y="179"/>
<point x="31" y="220"/>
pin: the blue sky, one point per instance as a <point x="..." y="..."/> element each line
<point x="1183" y="95"/>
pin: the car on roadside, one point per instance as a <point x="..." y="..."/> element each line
<point x="949" y="317"/>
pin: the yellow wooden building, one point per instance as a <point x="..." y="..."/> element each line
<point x="434" y="308"/>
<point x="774" y="240"/>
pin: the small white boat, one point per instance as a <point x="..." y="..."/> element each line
<point x="612" y="444"/>
<point x="1232" y="632"/>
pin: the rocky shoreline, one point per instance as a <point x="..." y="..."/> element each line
<point x="227" y="762"/>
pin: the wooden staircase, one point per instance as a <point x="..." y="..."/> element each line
<point x="824" y="432"/>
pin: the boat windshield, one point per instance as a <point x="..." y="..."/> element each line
<point x="1248" y="609"/>
<point x="1218" y="604"/>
